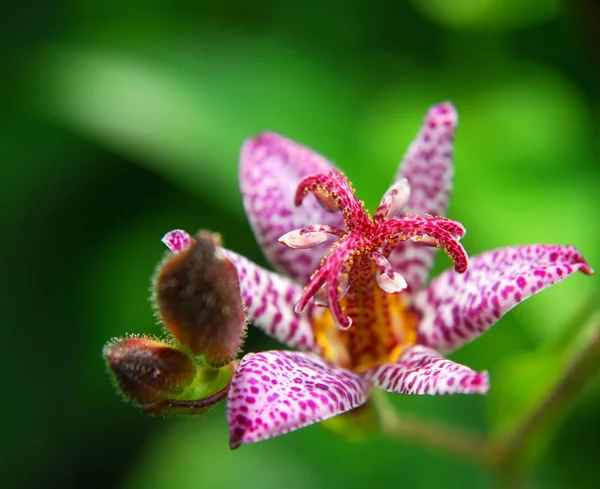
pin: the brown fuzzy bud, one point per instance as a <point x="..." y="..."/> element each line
<point x="197" y="293"/>
<point x="147" y="371"/>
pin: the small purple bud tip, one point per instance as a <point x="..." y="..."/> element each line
<point x="147" y="371"/>
<point x="197" y="293"/>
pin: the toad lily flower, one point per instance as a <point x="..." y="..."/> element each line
<point x="361" y="312"/>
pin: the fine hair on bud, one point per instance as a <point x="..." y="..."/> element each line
<point x="147" y="370"/>
<point x="197" y="295"/>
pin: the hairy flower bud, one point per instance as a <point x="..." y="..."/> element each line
<point x="147" y="371"/>
<point x="197" y="294"/>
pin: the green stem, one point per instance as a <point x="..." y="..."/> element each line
<point x="433" y="435"/>
<point x="581" y="369"/>
<point x="503" y="454"/>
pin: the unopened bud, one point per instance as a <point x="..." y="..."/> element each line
<point x="148" y="371"/>
<point x="197" y="293"/>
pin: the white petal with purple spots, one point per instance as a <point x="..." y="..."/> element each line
<point x="421" y="370"/>
<point x="269" y="299"/>
<point x="457" y="308"/>
<point x="428" y="167"/>
<point x="177" y="240"/>
<point x="275" y="392"/>
<point x="271" y="167"/>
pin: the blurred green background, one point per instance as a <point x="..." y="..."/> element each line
<point x="123" y="120"/>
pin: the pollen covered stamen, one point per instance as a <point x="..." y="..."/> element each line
<point x="332" y="278"/>
<point x="310" y="237"/>
<point x="295" y="239"/>
<point x="389" y="281"/>
<point x="455" y="228"/>
<point x="356" y="267"/>
<point x="392" y="285"/>
<point x="425" y="240"/>
<point x="334" y="192"/>
<point x="429" y="230"/>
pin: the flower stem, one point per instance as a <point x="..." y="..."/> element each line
<point x="506" y="453"/>
<point x="581" y="369"/>
<point x="433" y="435"/>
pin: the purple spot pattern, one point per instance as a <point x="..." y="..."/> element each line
<point x="269" y="299"/>
<point x="428" y="167"/>
<point x="279" y="391"/>
<point x="177" y="240"/>
<point x="421" y="370"/>
<point x="457" y="308"/>
<point x="275" y="392"/>
<point x="271" y="167"/>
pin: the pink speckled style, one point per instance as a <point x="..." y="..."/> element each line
<point x="360" y="312"/>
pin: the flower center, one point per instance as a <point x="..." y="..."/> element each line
<point x="382" y="327"/>
<point x="356" y="281"/>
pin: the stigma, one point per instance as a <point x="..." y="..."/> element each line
<point x="357" y="260"/>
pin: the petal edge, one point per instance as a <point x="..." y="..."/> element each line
<point x="421" y="370"/>
<point x="270" y="299"/>
<point x="275" y="392"/>
<point x="428" y="167"/>
<point x="457" y="308"/>
<point x="271" y="166"/>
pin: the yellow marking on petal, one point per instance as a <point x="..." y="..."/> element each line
<point x="331" y="340"/>
<point x="383" y="326"/>
<point x="392" y="328"/>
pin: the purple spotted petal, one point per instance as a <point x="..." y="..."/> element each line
<point x="271" y="167"/>
<point x="456" y="308"/>
<point x="270" y="299"/>
<point x="428" y="168"/>
<point x="177" y="240"/>
<point x="275" y="392"/>
<point x="421" y="370"/>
